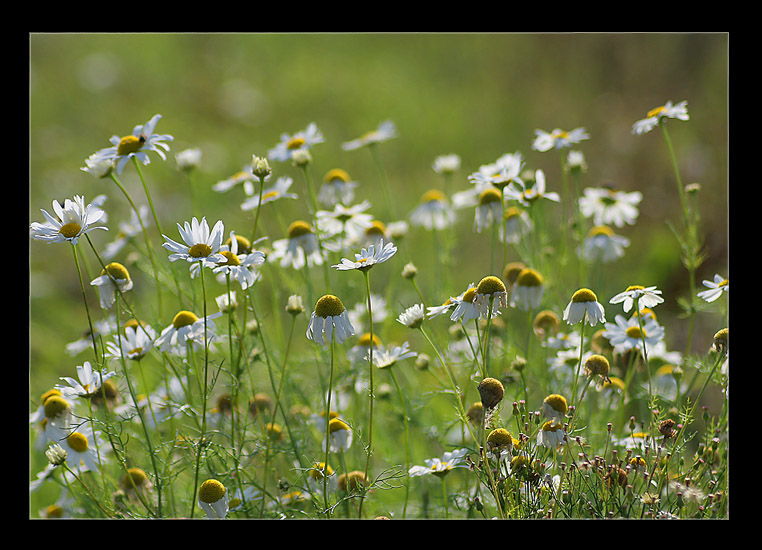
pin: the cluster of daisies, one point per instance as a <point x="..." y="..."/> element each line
<point x="501" y="194"/>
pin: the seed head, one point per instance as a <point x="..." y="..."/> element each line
<point x="491" y="391"/>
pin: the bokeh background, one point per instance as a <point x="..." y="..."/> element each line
<point x="477" y="95"/>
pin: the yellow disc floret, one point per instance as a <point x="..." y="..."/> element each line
<point x="116" y="271"/>
<point x="77" y="441"/>
<point x="130" y="144"/>
<point x="298" y="228"/>
<point x="557" y="403"/>
<point x="70" y="230"/>
<point x="529" y="277"/>
<point x="211" y="491"/>
<point x="490" y="285"/>
<point x="584" y="295"/>
<point x="183" y="319"/>
<point x="433" y="195"/>
<point x="329" y="306"/>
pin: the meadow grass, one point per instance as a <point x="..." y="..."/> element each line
<point x="473" y="369"/>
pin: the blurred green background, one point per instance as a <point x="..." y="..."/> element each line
<point x="477" y="95"/>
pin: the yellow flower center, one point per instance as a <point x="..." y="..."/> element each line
<point x="490" y="195"/>
<point x="433" y="195"/>
<point x="298" y="228"/>
<point x="560" y="134"/>
<point x="244" y="246"/>
<point x="557" y="402"/>
<point x="329" y="306"/>
<point x="490" y="285"/>
<point x="211" y="491"/>
<point x="512" y="212"/>
<point x="270" y="195"/>
<point x="77" y="442"/>
<point x="70" y="230"/>
<point x="597" y="364"/>
<point x="511" y="271"/>
<point x="634" y="287"/>
<point x="231" y="259"/>
<point x="550" y="426"/>
<point x="54" y="512"/>
<point x="295" y="143"/>
<point x="337" y="424"/>
<point x="183" y="319"/>
<point x="469" y="295"/>
<point x="529" y="277"/>
<point x="364" y="340"/>
<point x="655" y="112"/>
<point x="336" y="174"/>
<point x="376" y="228"/>
<point x="48" y="394"/>
<point x="117" y="271"/>
<point x="600" y="230"/>
<point x="723" y="283"/>
<point x="130" y="144"/>
<point x="584" y="295"/>
<point x="500" y="438"/>
<point x="55" y="405"/>
<point x="138" y="476"/>
<point x="200" y="250"/>
<point x="316" y="472"/>
<point x="635" y="332"/>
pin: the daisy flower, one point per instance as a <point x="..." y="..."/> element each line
<point x="115" y="278"/>
<point x="245" y="178"/>
<point x="584" y="306"/>
<point x="558" y="139"/>
<point x="81" y="447"/>
<point x="337" y="188"/>
<point x="390" y="356"/>
<point x="201" y="246"/>
<point x="655" y="116"/>
<point x="551" y="435"/>
<point x="240" y="267"/>
<point x="87" y="383"/>
<point x="465" y="308"/>
<point x="643" y="297"/>
<point x="412" y="317"/>
<point x="435" y="311"/>
<point x="351" y="221"/>
<point x="575" y="162"/>
<point x="626" y="334"/>
<point x="489" y="209"/>
<point x="385" y="131"/>
<point x="137" y="145"/>
<point x="134" y="344"/>
<point x="188" y="159"/>
<point x="186" y="328"/>
<point x="300" y="247"/>
<point x="279" y="190"/>
<point x="291" y="143"/>
<point x="446" y="164"/>
<point x="74" y="219"/>
<point x="527" y="290"/>
<point x="526" y="196"/>
<point x="213" y="499"/>
<point x="441" y="466"/>
<point x="715" y="288"/>
<point x="98" y="165"/>
<point x="368" y="257"/>
<point x="433" y="211"/>
<point x="607" y="206"/>
<point x="555" y="407"/>
<point x="329" y="321"/>
<point x="602" y="245"/>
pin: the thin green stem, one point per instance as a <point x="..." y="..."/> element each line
<point x="369" y="453"/>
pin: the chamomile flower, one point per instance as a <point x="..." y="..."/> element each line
<point x="602" y="245"/>
<point x="188" y="159"/>
<point x="583" y="307"/>
<point x="527" y="195"/>
<point x="441" y="466"/>
<point x="213" y="499"/>
<point x="201" y="246"/>
<point x="551" y="435"/>
<point x="435" y="311"/>
<point x="329" y="321"/>
<point x="299" y="248"/>
<point x="291" y="143"/>
<point x="446" y="164"/>
<point x="87" y="383"/>
<point x="81" y="447"/>
<point x="490" y="293"/>
<point x="240" y="267"/>
<point x="489" y="209"/>
<point x="98" y="165"/>
<point x="626" y="334"/>
<point x="134" y="343"/>
<point x="244" y="177"/>
<point x="385" y="131"/>
<point x="340" y="436"/>
<point x="186" y="328"/>
<point x="279" y="190"/>
<point x="412" y="317"/>
<point x="527" y="290"/>
<point x="558" y="139"/>
<point x="115" y="278"/>
<point x="74" y="219"/>
<point x="338" y="187"/>
<point x="390" y="356"/>
<point x="715" y="288"/>
<point x="555" y="407"/>
<point x="368" y="257"/>
<point x="655" y="116"/>
<point x="516" y="225"/>
<point x="644" y="297"/>
<point x="433" y="211"/>
<point x="348" y="221"/>
<point x="501" y="173"/>
<point x="465" y="308"/>
<point x="607" y="206"/>
<point x="137" y="145"/>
